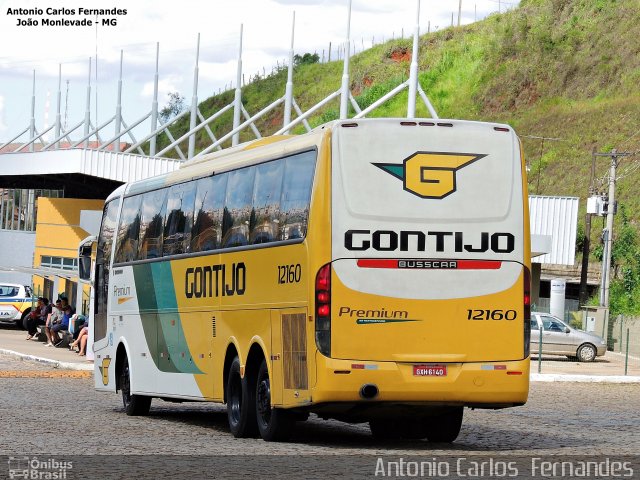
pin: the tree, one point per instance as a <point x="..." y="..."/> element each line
<point x="305" y="59"/>
<point x="173" y="108"/>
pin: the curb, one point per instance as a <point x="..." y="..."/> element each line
<point x="534" y="377"/>
<point x="48" y="361"/>
<point x="554" y="377"/>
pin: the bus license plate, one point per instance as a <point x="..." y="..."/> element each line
<point x="429" y="370"/>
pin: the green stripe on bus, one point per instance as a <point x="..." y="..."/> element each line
<point x="170" y="331"/>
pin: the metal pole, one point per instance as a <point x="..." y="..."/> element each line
<point x="87" y="112"/>
<point x="32" y="123"/>
<point x="626" y="357"/>
<point x="620" y="317"/>
<point x="58" y="106"/>
<point x="237" y="103"/>
<point x="610" y="209"/>
<point x="605" y="236"/>
<point x="413" y="71"/>
<point x="194" y="105"/>
<point x="344" y="91"/>
<point x="154" y="106"/>
<point x="540" y="348"/>
<point x="288" y="95"/>
<point x="118" y="122"/>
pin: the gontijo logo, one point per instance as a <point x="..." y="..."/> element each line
<point x="430" y="174"/>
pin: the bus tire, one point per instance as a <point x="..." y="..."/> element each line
<point x="397" y="428"/>
<point x="444" y="427"/>
<point x="274" y="424"/>
<point x="240" y="402"/>
<point x="384" y="429"/>
<point x="134" y="405"/>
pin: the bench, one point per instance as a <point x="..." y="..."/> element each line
<point x="65" y="336"/>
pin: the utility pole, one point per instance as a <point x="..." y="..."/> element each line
<point x="586" y="246"/>
<point x="611" y="202"/>
<point x="459" y="11"/>
<point x="608" y="232"/>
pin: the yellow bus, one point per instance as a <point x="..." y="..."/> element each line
<point x="369" y="271"/>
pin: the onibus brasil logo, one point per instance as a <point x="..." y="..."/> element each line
<point x="430" y="174"/>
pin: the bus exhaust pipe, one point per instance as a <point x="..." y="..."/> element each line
<point x="369" y="391"/>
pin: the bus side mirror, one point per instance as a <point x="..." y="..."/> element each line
<point x="84" y="268"/>
<point x="84" y="261"/>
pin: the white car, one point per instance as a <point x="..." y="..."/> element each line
<point x="16" y="302"/>
<point x="558" y="338"/>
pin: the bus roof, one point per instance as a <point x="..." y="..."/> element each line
<point x="276" y="146"/>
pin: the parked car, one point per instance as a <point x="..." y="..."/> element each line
<point x="15" y="303"/>
<point x="558" y="338"/>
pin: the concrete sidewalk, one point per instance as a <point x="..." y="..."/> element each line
<point x="13" y="343"/>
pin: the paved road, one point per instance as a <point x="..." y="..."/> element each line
<point x="55" y="413"/>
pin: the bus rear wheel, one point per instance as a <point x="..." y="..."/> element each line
<point x="134" y="405"/>
<point x="240" y="403"/>
<point x="397" y="428"/>
<point x="445" y="426"/>
<point x="274" y="424"/>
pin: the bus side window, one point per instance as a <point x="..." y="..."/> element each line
<point x="237" y="208"/>
<point x="154" y="205"/>
<point x="263" y="223"/>
<point x="177" y="227"/>
<point x="207" y="220"/>
<point x="296" y="195"/>
<point x="128" y="231"/>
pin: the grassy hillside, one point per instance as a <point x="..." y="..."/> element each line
<point x="563" y="69"/>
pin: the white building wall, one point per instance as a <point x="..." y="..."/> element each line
<point x="16" y="250"/>
<point x="555" y="217"/>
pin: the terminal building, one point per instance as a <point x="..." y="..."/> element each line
<point x="49" y="202"/>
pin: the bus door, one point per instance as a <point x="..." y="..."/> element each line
<point x="102" y="274"/>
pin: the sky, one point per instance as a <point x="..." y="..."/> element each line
<point x="175" y="25"/>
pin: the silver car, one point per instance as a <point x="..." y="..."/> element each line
<point x="558" y="338"/>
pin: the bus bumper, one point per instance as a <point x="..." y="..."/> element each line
<point x="478" y="385"/>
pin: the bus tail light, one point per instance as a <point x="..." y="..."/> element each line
<point x="323" y="310"/>
<point x="527" y="311"/>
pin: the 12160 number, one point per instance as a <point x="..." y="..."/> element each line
<point x="289" y="273"/>
<point x="491" y="314"/>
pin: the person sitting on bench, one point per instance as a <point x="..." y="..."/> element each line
<point x="54" y="319"/>
<point x="37" y="316"/>
<point x="63" y="325"/>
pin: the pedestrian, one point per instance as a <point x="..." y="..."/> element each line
<point x="37" y="316"/>
<point x="54" y="319"/>
<point x="58" y="327"/>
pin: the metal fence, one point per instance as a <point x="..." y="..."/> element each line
<point x="567" y="351"/>
<point x="19" y="208"/>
